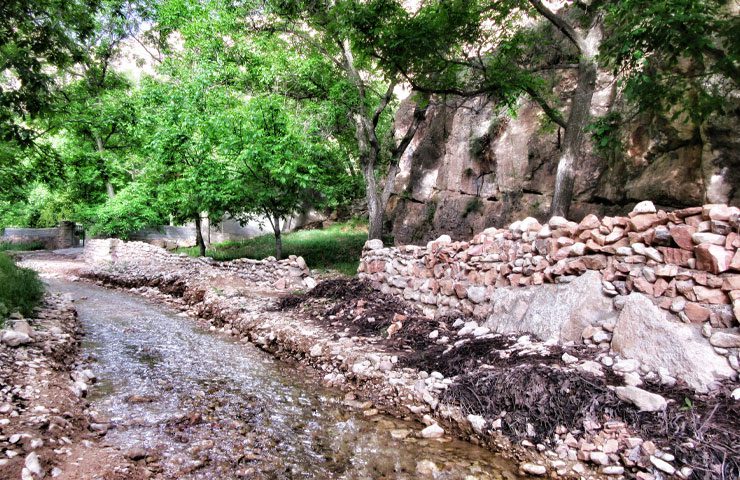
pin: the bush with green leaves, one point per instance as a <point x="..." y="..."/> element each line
<point x="20" y="289"/>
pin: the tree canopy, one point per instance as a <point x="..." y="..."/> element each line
<point x="264" y="108"/>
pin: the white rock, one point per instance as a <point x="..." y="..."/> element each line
<point x="309" y="282"/>
<point x="613" y="470"/>
<point x="477" y="422"/>
<point x="644" y="400"/>
<point x="556" y="222"/>
<point x="13" y="338"/>
<point x="468" y="328"/>
<point x="433" y="431"/>
<point x="533" y="469"/>
<point x="662" y="465"/>
<point x="646" y="206"/>
<point x="599" y="458"/>
<point x="480" y="331"/>
<point x="568" y="359"/>
<point x="626" y="365"/>
<point x="426" y="468"/>
<point x="736" y="394"/>
<point x="375" y="244"/>
<point x="681" y="348"/>
<point x="476" y="293"/>
<point x="33" y="464"/>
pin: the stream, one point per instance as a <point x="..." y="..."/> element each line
<point x="207" y="406"/>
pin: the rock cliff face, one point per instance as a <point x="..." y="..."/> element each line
<point x="474" y="165"/>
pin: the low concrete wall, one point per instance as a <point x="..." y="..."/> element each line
<point x="228" y="229"/>
<point x="51" y="238"/>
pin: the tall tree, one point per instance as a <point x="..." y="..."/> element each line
<point x="179" y="132"/>
<point x="280" y="163"/>
<point x="318" y="29"/>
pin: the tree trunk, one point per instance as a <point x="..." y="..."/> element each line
<point x="575" y="133"/>
<point x="199" y="237"/>
<point x="375" y="207"/>
<point x="278" y="237"/>
<point x="108" y="185"/>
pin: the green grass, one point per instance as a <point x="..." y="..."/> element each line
<point x="20" y="289"/>
<point x="17" y="247"/>
<point x="337" y="247"/>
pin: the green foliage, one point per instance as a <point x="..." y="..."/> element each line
<point x="20" y="247"/>
<point x="20" y="288"/>
<point x="474" y="205"/>
<point x="678" y="56"/>
<point x="337" y="247"/>
<point x="605" y="132"/>
<point x="134" y="208"/>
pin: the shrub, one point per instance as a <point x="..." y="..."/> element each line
<point x="20" y="289"/>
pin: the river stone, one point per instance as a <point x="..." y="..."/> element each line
<point x="642" y="399"/>
<point x="13" y="338"/>
<point x="533" y="469"/>
<point x="433" y="431"/>
<point x="33" y="464"/>
<point x="725" y="339"/>
<point x="646" y="206"/>
<point x="552" y="312"/>
<point x="645" y="334"/>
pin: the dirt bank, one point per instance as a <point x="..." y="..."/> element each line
<point x="45" y="427"/>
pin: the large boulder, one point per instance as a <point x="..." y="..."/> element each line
<point x="645" y="334"/>
<point x="552" y="312"/>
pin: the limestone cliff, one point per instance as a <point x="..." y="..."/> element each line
<point x="474" y="165"/>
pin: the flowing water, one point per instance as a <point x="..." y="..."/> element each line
<point x="206" y="406"/>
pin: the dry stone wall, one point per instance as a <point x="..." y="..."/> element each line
<point x="609" y="282"/>
<point x="291" y="273"/>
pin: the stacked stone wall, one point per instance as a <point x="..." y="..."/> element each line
<point x="687" y="260"/>
<point x="291" y="273"/>
<point x="660" y="287"/>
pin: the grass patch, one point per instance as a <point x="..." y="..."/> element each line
<point x="18" y="247"/>
<point x="20" y="289"/>
<point x="337" y="247"/>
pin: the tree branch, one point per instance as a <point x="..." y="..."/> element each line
<point x="551" y="112"/>
<point x="560" y="23"/>
<point x="384" y="102"/>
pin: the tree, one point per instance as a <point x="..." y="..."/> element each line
<point x="179" y="133"/>
<point x="37" y="40"/>
<point x="316" y="30"/>
<point x="280" y="162"/>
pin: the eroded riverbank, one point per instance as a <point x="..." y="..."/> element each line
<point x="191" y="404"/>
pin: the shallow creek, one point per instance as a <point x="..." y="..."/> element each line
<point x="205" y="406"/>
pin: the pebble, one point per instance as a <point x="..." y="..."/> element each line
<point x="599" y="458"/>
<point x="613" y="470"/>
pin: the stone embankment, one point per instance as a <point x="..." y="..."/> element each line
<point x="151" y="260"/>
<point x="660" y="288"/>
<point x="45" y="427"/>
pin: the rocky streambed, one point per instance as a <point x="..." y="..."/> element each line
<point x="182" y="402"/>
<point x="554" y="410"/>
